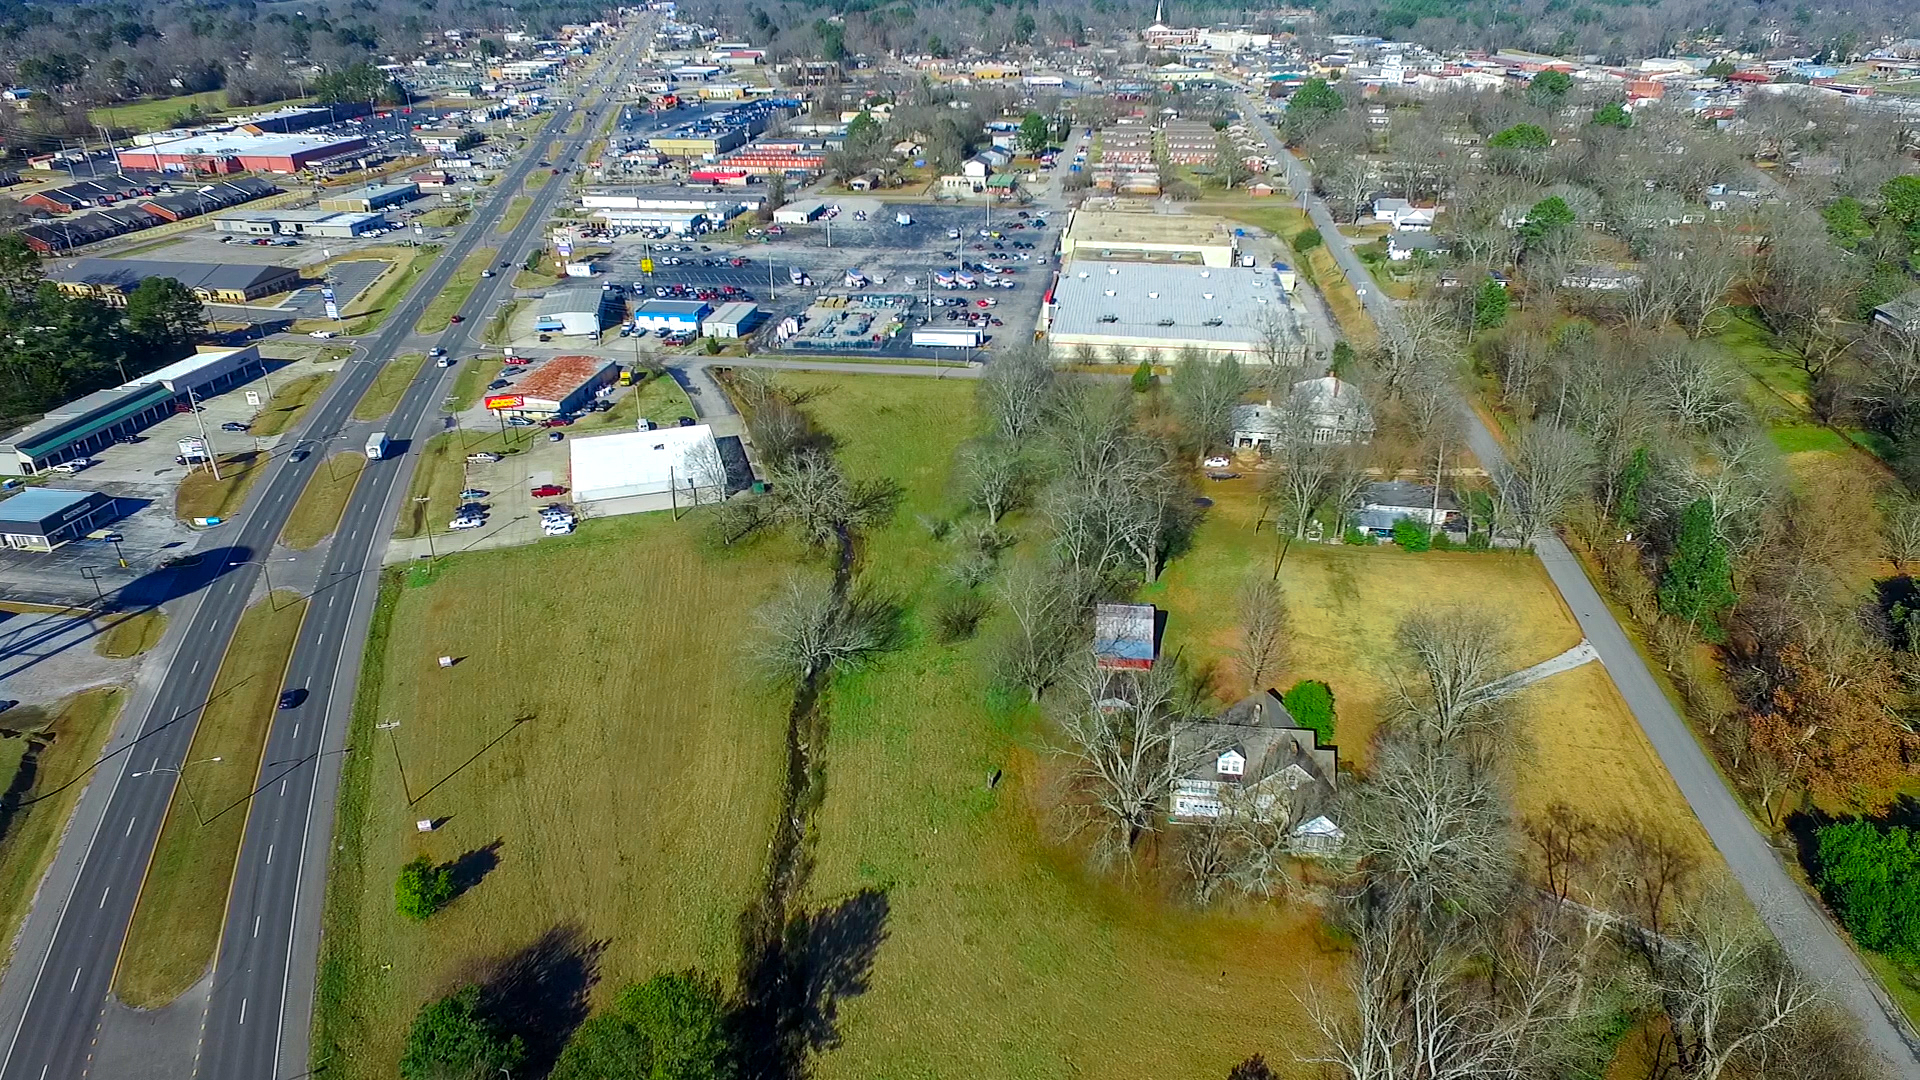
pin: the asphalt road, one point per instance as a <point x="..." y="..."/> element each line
<point x="57" y="988"/>
<point x="1790" y="911"/>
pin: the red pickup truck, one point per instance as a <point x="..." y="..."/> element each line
<point x="548" y="491"/>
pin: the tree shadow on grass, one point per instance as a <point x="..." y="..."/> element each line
<point x="540" y="992"/>
<point x="792" y="988"/>
<point x="470" y="868"/>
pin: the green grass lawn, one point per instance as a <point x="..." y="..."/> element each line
<point x="183" y="901"/>
<point x="70" y="736"/>
<point x="376" y="309"/>
<point x="660" y="400"/>
<point x="1003" y="955"/>
<point x="460" y="286"/>
<point x="633" y="806"/>
<point x="156" y="113"/>
<point x="440" y="474"/>
<point x="1748" y="342"/>
<point x="538" y="179"/>
<point x="317" y="514"/>
<point x="289" y="402"/>
<point x="202" y="495"/>
<point x="389" y="386"/>
<point x="441" y="217"/>
<point x="132" y="634"/>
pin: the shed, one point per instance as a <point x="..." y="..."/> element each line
<point x="1124" y="636"/>
<point x="577" y="312"/>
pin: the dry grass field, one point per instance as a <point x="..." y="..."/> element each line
<point x="1344" y="604"/>
<point x="200" y="494"/>
<point x="132" y="634"/>
<point x="70" y="736"/>
<point x="1003" y="956"/>
<point x="317" y="514"/>
<point x="633" y="804"/>
<point x="290" y="403"/>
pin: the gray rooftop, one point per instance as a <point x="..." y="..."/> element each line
<point x="127" y="274"/>
<point x="1156" y="300"/>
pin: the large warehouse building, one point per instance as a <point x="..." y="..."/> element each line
<point x="41" y="519"/>
<point x="685" y="460"/>
<point x="365" y="200"/>
<point x="1158" y="310"/>
<point x="1179" y="238"/>
<point x="234" y="151"/>
<point x="317" y="223"/>
<point x="80" y="427"/>
<point x="111" y="280"/>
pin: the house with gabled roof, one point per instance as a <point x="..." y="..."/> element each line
<point x="1253" y="758"/>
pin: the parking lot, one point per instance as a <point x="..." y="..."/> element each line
<point x="885" y="252"/>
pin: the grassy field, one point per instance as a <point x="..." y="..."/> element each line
<point x="634" y="805"/>
<point x="501" y="323"/>
<point x="660" y="400"/>
<point x="1344" y="604"/>
<point x="70" y="736"/>
<point x="132" y="634"/>
<point x="538" y="179"/>
<point x="472" y="380"/>
<point x="1003" y="957"/>
<point x="389" y="386"/>
<point x="318" y="512"/>
<point x="460" y="286"/>
<point x="183" y="902"/>
<point x="374" y="305"/>
<point x="441" y="217"/>
<point x="200" y="495"/>
<point x="440" y="474"/>
<point x="517" y="208"/>
<point x="289" y="403"/>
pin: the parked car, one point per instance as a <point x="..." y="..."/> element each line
<point x="548" y="491"/>
<point x="472" y="493"/>
<point x="519" y="421"/>
<point x="1216" y="463"/>
<point x="459" y="524"/>
<point x="498" y="384"/>
<point x="483" y="457"/>
<point x="554" y="436"/>
<point x="74" y="466"/>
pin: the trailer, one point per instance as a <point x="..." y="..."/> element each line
<point x="943" y="278"/>
<point x="947" y="338"/>
<point x="965" y="280"/>
<point x="856" y="280"/>
<point x="903" y="218"/>
<point x="798" y="276"/>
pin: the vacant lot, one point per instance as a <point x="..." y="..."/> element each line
<point x="284" y="409"/>
<point x="317" y="514"/>
<point x="64" y="741"/>
<point x="389" y="386"/>
<point x="441" y="473"/>
<point x="157" y="113"/>
<point x="460" y="286"/>
<point x="130" y="635"/>
<point x="176" y="925"/>
<point x="625" y="782"/>
<point x="202" y="495"/>
<point x="1002" y="956"/>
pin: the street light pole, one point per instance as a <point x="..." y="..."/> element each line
<point x="181" y="772"/>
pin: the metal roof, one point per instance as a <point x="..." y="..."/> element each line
<point x="36" y="504"/>
<point x="111" y="407"/>
<point x="1174" y="303"/>
<point x="127" y="274"/>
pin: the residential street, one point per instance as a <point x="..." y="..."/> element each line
<point x="1793" y="913"/>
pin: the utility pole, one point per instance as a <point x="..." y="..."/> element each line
<point x="213" y="459"/>
<point x="427" y="526"/>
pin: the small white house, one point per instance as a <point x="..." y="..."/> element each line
<point x="1403" y="245"/>
<point x="1402" y="214"/>
<point x="976" y="169"/>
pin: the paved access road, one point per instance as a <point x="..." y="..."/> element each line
<point x="57" y="989"/>
<point x="1791" y="912"/>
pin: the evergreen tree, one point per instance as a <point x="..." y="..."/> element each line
<point x="1698" y="585"/>
<point x="671" y="1027"/>
<point x="1549" y="88"/>
<point x="1034" y="134"/>
<point x="1612" y="114"/>
<point x="1310" y="703"/>
<point x="1490" y="305"/>
<point x="164" y="318"/>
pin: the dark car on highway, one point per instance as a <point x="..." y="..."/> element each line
<point x="291" y="698"/>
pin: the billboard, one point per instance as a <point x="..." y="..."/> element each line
<point x="505" y="401"/>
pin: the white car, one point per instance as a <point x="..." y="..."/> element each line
<point x="320" y="334"/>
<point x="1216" y="463"/>
<point x="462" y="523"/>
<point x="74" y="466"/>
<point x="557" y="528"/>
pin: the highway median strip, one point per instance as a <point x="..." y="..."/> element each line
<point x="289" y="402"/>
<point x="177" y="922"/>
<point x="389" y="386"/>
<point x="317" y="515"/>
<point x="441" y="309"/>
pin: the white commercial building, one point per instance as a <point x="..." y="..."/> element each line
<point x="730" y="320"/>
<point x="684" y="460"/>
<point x="1155" y="310"/>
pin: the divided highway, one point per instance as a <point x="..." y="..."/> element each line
<point x="57" y="989"/>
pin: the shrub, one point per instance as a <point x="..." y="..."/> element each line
<point x="1478" y="541"/>
<point x="1871" y="877"/>
<point x="669" y="1026"/>
<point x="1306" y="240"/>
<point x="450" y="1037"/>
<point x="422" y="888"/>
<point x="1311" y="704"/>
<point x="958" y="617"/>
<point x="712" y="346"/>
<point x="1356" y="537"/>
<point x="1442" y="542"/>
<point x="1143" y="378"/>
<point x="1411" y="535"/>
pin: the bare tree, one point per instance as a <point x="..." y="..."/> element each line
<point x="1552" y="467"/>
<point x="996" y="476"/>
<point x="811" y="493"/>
<point x="1431" y="830"/>
<point x="1741" y="480"/>
<point x="1348" y="481"/>
<point x="1279" y="350"/>
<point x="1460" y="661"/>
<point x="1900" y="526"/>
<point x="1118" y="735"/>
<point x="1263" y="629"/>
<point x="1697" y="389"/>
<point x="1567" y="843"/>
<point x="1015" y="390"/>
<point x="1304" y="467"/>
<point x="808" y="629"/>
<point x="1701" y="283"/>
<point x="1731" y="998"/>
<point x="1045" y="606"/>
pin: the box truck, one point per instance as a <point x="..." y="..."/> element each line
<point x="947" y="338"/>
<point x="376" y="446"/>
